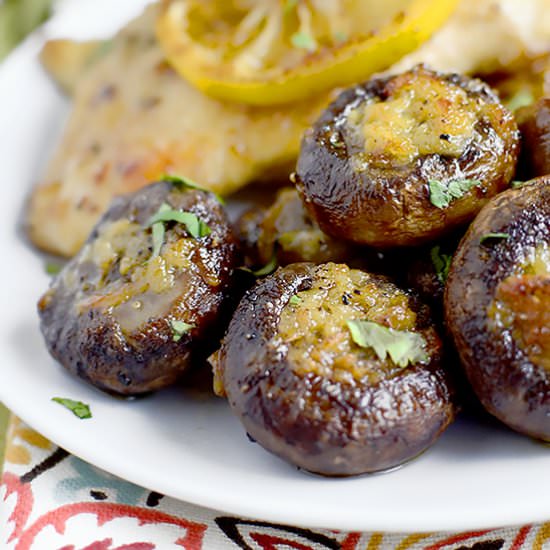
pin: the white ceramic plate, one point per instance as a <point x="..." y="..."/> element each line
<point x="188" y="447"/>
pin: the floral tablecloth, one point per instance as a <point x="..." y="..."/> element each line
<point x="50" y="499"/>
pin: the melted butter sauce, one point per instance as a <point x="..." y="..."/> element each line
<point x="287" y="225"/>
<point x="315" y="326"/>
<point x="421" y="117"/>
<point x="537" y="260"/>
<point x="132" y="313"/>
<point x="134" y="286"/>
<point x="522" y="306"/>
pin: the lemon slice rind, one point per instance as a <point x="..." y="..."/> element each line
<point x="348" y="64"/>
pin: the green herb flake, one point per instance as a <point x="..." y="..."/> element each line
<point x="157" y="231"/>
<point x="79" y="409"/>
<point x="295" y="300"/>
<point x="102" y="49"/>
<point x="443" y="193"/>
<point x="441" y="263"/>
<point x="402" y="346"/>
<point x="522" y="98"/>
<point x="340" y="36"/>
<point x="263" y="271"/>
<point x="204" y="229"/>
<point x="493" y="236"/>
<point x="289" y="6"/>
<point x="438" y="194"/>
<point x="182" y="183"/>
<point x="516" y="184"/>
<point x="267" y="269"/>
<point x="304" y="41"/>
<point x="196" y="228"/>
<point x="179" y="328"/>
<point x="52" y="268"/>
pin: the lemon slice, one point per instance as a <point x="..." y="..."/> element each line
<point x="266" y="52"/>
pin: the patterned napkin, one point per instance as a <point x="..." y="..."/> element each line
<point x="50" y="499"/>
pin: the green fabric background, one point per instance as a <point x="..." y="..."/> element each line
<point x="18" y="18"/>
<point x="3" y="426"/>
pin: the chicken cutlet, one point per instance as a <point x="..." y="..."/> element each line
<point x="134" y="119"/>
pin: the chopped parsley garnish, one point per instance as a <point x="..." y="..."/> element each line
<point x="265" y="270"/>
<point x="289" y="6"/>
<point x="295" y="300"/>
<point x="101" y="51"/>
<point x="179" y="328"/>
<point x="82" y="410"/>
<point x="402" y="346"/>
<point x="340" y="36"/>
<point x="157" y="231"/>
<point x="196" y="227"/>
<point x="522" y="98"/>
<point x="516" y="184"/>
<point x="52" y="268"/>
<point x="493" y="236"/>
<point x="443" y="193"/>
<point x="187" y="183"/>
<point x="304" y="41"/>
<point x="441" y="263"/>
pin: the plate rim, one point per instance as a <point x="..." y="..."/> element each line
<point x="23" y="53"/>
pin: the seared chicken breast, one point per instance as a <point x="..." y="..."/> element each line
<point x="134" y="119"/>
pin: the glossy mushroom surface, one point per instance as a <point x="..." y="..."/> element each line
<point x="402" y="160"/>
<point x="535" y="133"/>
<point x="128" y="312"/>
<point x="497" y="307"/>
<point x="306" y="391"/>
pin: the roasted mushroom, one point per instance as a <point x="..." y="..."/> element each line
<point x="497" y="306"/>
<point x="129" y="310"/>
<point x="535" y="132"/>
<point x="287" y="232"/>
<point x="404" y="159"/>
<point x="335" y="370"/>
<point x="427" y="267"/>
